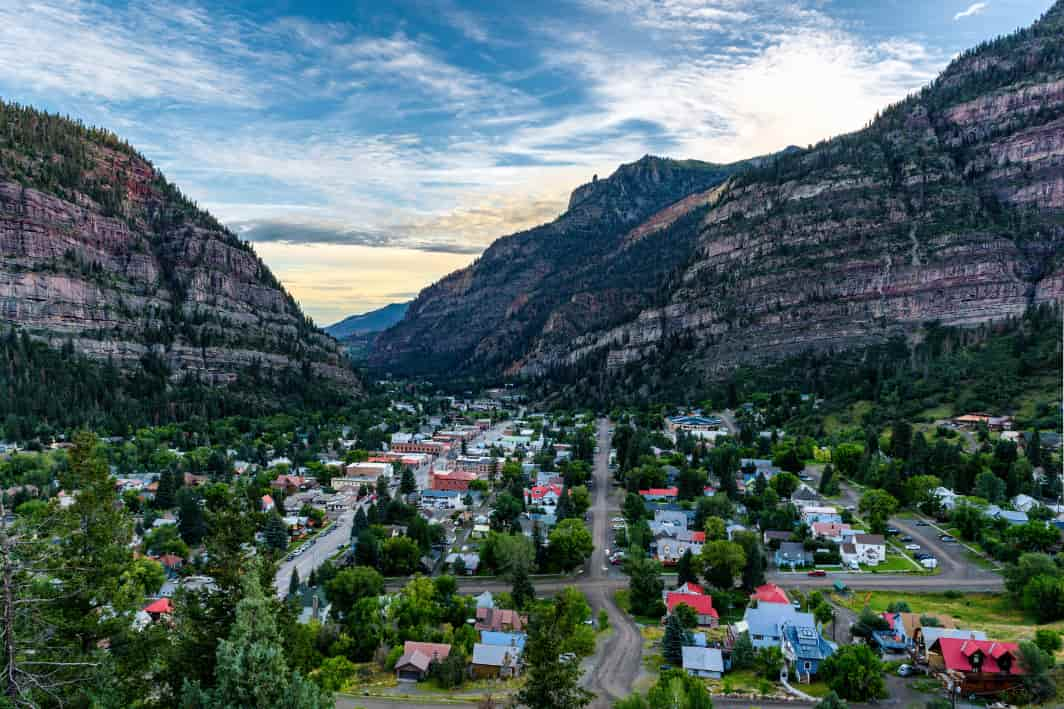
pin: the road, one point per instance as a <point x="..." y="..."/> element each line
<point x="324" y="547"/>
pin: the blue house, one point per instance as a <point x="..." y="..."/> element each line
<point x="765" y="623"/>
<point x="804" y="649"/>
<point x="894" y="640"/>
<point x="491" y="637"/>
<point x="792" y="554"/>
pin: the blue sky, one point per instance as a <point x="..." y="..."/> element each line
<point x="370" y="147"/>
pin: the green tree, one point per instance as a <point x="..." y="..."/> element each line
<point x="672" y="641"/>
<point x="847" y="459"/>
<point x="754" y="570"/>
<point x="293" y="583"/>
<point x="831" y="701"/>
<point x="407" y="483"/>
<point x="878" y="506"/>
<point x="969" y="520"/>
<point x="676" y="690"/>
<point x="743" y="655"/>
<point x="523" y="593"/>
<point x="634" y="508"/>
<point x="768" y="661"/>
<point x="722" y="561"/>
<point x="855" y="673"/>
<point x="164" y="494"/>
<point x="645" y="586"/>
<point x="251" y="667"/>
<point x="828" y="484"/>
<point x="399" y="556"/>
<point x="685" y="568"/>
<point x="359" y="524"/>
<point x="349" y="586"/>
<point x="1036" y="663"/>
<point x="785" y="484"/>
<point x="579" y="501"/>
<point x="551" y="681"/>
<point x="715" y="529"/>
<point x="191" y="522"/>
<point x="570" y="544"/>
<point x="989" y="487"/>
<point x="335" y="673"/>
<point x="276" y="533"/>
<point x="1048" y="640"/>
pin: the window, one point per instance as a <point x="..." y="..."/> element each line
<point x="808" y="665"/>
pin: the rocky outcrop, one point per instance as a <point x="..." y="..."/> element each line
<point x="948" y="208"/>
<point x="97" y="249"/>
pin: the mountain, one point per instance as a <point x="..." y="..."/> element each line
<point x="101" y="254"/>
<point x="368" y="323"/>
<point x="948" y="208"/>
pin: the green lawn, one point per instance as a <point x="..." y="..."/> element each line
<point x="893" y="564"/>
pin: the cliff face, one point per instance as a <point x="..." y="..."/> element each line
<point x="948" y="208"/>
<point x="98" y="249"/>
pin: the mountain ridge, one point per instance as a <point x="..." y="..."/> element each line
<point x="368" y="322"/>
<point x="948" y="207"/>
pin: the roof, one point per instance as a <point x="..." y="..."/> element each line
<point x="698" y="536"/>
<point x="162" y="605"/>
<point x="489" y="637"/>
<point x="869" y="539"/>
<point x="498" y="618"/>
<point x="707" y="659"/>
<point x="829" y="529"/>
<point x="911" y="621"/>
<point x="770" y="593"/>
<point x="485" y="600"/>
<point x="692" y="588"/>
<point x="805" y="640"/>
<point x="540" y="491"/>
<point x="421" y="654"/>
<point x="767" y="618"/>
<point x="660" y="492"/>
<point x="930" y="635"/>
<point x="439" y="493"/>
<point x="958" y="653"/>
<point x="702" y="605"/>
<point x="494" y="655"/>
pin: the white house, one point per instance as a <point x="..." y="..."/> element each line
<point x="946" y="497"/>
<point x="867" y="549"/>
<point x="703" y="661"/>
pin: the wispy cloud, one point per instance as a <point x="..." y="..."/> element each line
<point x="307" y="232"/>
<point x="973" y="9"/>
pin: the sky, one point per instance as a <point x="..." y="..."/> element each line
<point x="369" y="147"/>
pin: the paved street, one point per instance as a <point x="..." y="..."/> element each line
<point x="324" y="547"/>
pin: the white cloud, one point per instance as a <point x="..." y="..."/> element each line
<point x="973" y="9"/>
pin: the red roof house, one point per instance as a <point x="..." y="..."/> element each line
<point x="267" y="503"/>
<point x="702" y="606"/>
<point x="987" y="666"/>
<point x="660" y="493"/>
<point x="159" y="608"/>
<point x="416" y="658"/>
<point x="769" y="593"/>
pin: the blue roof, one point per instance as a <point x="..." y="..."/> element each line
<point x="489" y="637"/>
<point x="806" y="641"/>
<point x="439" y="493"/>
<point x="767" y="617"/>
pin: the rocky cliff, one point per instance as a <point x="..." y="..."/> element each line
<point x="948" y="208"/>
<point x="99" y="250"/>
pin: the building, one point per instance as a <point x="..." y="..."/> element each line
<point x="516" y="640"/>
<point x="413" y="665"/>
<point x="368" y="471"/>
<point x="490" y="661"/>
<point x="693" y="423"/>
<point x="441" y="499"/>
<point x="804" y="649"/>
<point x="670" y="548"/>
<point x="831" y="531"/>
<point x="702" y="605"/>
<point x="813" y="514"/>
<point x="666" y="494"/>
<point x="703" y="662"/>
<point x="765" y="623"/>
<point x="896" y="638"/>
<point x="499" y="619"/>
<point x="545" y="496"/>
<point x="924" y="639"/>
<point x="435" y="448"/>
<point x="470" y="560"/>
<point x="984" y="666"/>
<point x="867" y="549"/>
<point x="770" y="593"/>
<point x="484" y="467"/>
<point x="792" y="554"/>
<point x="267" y="503"/>
<point x="454" y="480"/>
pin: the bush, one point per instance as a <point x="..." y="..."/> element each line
<point x="1048" y="640"/>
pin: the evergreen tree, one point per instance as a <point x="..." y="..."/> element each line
<point x="743" y="654"/>
<point x="251" y="667"/>
<point x="367" y="550"/>
<point x="383" y="496"/>
<point x="754" y="571"/>
<point x="276" y="532"/>
<point x="191" y="523"/>
<point x="293" y="582"/>
<point x="524" y="594"/>
<point x="408" y="483"/>
<point x="359" y="524"/>
<point x="551" y="682"/>
<point x="685" y="569"/>
<point x="828" y="484"/>
<point x="165" y="494"/>
<point x="673" y="640"/>
<point x="1034" y="449"/>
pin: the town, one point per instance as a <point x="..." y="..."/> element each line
<point x="411" y="547"/>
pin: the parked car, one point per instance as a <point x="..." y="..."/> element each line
<point x="906" y="538"/>
<point x="921" y="523"/>
<point x="947" y="538"/>
<point x="892" y="531"/>
<point x="912" y="547"/>
<point x="818" y="572"/>
<point x="906" y="671"/>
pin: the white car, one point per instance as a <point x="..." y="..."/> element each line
<point x="912" y="547"/>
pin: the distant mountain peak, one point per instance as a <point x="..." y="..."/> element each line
<point x="369" y="323"/>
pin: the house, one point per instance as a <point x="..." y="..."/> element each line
<point x="499" y="619"/>
<point x="896" y="638"/>
<point x="946" y="497"/>
<point x="765" y="623"/>
<point x="158" y="609"/>
<point x="805" y="496"/>
<point x="775" y="536"/>
<point x="792" y="554"/>
<point x="485" y="600"/>
<point x="924" y="639"/>
<point x="769" y="593"/>
<point x="441" y="499"/>
<point x="690" y="588"/>
<point x="490" y="661"/>
<point x="985" y="666"/>
<point x="703" y="662"/>
<point x="267" y="503"/>
<point x="669" y="550"/>
<point x="702" y="605"/>
<point x="804" y="649"/>
<point x="413" y="665"/>
<point x="545" y="496"/>
<point x="867" y="549"/>
<point x="813" y="514"/>
<point x="1013" y="517"/>
<point x="830" y="530"/>
<point x="453" y="480"/>
<point x="655" y="494"/>
<point x="471" y="561"/>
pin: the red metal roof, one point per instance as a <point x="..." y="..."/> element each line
<point x="770" y="593"/>
<point x="162" y="605"/>
<point x="698" y="536"/>
<point x="661" y="491"/>
<point x="703" y="605"/>
<point x="957" y="654"/>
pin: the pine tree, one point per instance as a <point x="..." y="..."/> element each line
<point x="754" y="571"/>
<point x="523" y="592"/>
<point x="685" y="569"/>
<point x="276" y="533"/>
<point x="828" y="485"/>
<point x="408" y="484"/>
<point x="1034" y="449"/>
<point x="672" y="642"/>
<point x="359" y="524"/>
<point x="164" y="495"/>
<point x="191" y="523"/>
<point x="293" y="582"/>
<point x="251" y="667"/>
<point x="743" y="652"/>
<point x="551" y="682"/>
